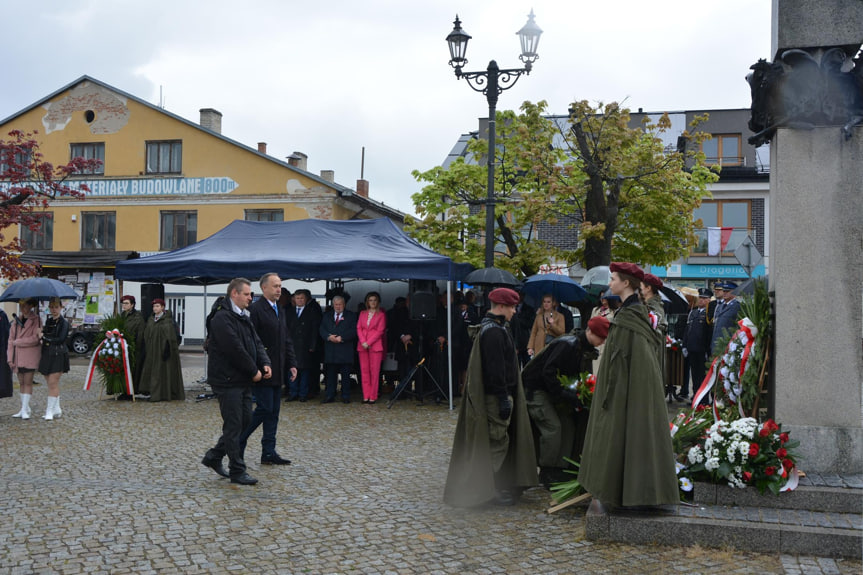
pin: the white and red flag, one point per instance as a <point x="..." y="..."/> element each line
<point x="717" y="240"/>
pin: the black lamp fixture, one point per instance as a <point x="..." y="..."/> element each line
<point x="492" y="82"/>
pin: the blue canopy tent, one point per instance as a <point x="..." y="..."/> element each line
<point x="303" y="249"/>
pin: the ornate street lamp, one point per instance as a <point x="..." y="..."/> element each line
<point x="492" y="82"/>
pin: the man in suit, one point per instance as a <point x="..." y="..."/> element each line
<point x="304" y="323"/>
<point x="339" y="330"/>
<point x="271" y="325"/>
<point x="696" y="341"/>
<point x="725" y="317"/>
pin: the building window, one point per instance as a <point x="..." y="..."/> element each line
<point x="91" y="151"/>
<point x="733" y="214"/>
<point x="20" y="160"/>
<point x="99" y="230"/>
<point x="165" y="157"/>
<point x="723" y="149"/>
<point x="42" y="238"/>
<point x="179" y="229"/>
<point x="265" y="215"/>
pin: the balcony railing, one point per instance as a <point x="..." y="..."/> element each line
<point x="737" y="236"/>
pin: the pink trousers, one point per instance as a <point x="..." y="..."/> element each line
<point x="370" y="372"/>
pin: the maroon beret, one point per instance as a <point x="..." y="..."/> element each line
<point x="128" y="298"/>
<point x="652" y="280"/>
<point x="159" y="301"/>
<point x="598" y="325"/>
<point x="627" y="268"/>
<point x="504" y="296"/>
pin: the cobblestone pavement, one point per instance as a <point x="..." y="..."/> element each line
<point x="118" y="487"/>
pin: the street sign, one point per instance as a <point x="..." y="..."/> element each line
<point x="747" y="255"/>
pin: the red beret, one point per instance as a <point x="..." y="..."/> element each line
<point x="128" y="298"/>
<point x="652" y="280"/>
<point x="159" y="301"/>
<point x="627" y="268"/>
<point x="598" y="325"/>
<point x="504" y="296"/>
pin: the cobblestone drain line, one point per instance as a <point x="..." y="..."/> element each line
<point x="117" y="487"/>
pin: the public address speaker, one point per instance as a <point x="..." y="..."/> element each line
<point x="423" y="299"/>
<point x="149" y="292"/>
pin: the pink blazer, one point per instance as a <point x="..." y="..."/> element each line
<point x="372" y="332"/>
<point x="24" y="348"/>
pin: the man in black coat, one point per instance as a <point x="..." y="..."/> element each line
<point x="696" y="344"/>
<point x="304" y="323"/>
<point x="271" y="325"/>
<point x="236" y="359"/>
<point x="339" y="331"/>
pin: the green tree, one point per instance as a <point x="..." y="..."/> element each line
<point x="617" y="187"/>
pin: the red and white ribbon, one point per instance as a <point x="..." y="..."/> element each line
<point x="124" y="354"/>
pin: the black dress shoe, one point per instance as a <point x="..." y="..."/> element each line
<point x="346" y="401"/>
<point x="290" y="398"/>
<point x="215" y="465"/>
<point x="244" y="479"/>
<point x="329" y="400"/>
<point x="302" y="400"/>
<point x="274" y="459"/>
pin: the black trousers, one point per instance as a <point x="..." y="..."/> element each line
<point x="268" y="400"/>
<point x="694" y="365"/>
<point x="235" y="405"/>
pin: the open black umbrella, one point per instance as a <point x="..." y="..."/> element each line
<point x="491" y="277"/>
<point x="562" y="288"/>
<point x="678" y="301"/>
<point x="42" y="289"/>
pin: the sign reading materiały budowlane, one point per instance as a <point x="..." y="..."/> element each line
<point x="129" y="187"/>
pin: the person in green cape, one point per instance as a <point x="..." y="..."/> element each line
<point x="161" y="376"/>
<point x="134" y="333"/>
<point x="493" y="457"/>
<point x="628" y="459"/>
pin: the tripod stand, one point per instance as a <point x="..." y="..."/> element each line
<point x="408" y="378"/>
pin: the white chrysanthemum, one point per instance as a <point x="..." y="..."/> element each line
<point x="744" y="339"/>
<point x="695" y="455"/>
<point x="732" y="347"/>
<point x="685" y="484"/>
<point x="116" y="353"/>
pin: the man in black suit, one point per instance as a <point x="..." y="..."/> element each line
<point x="271" y="324"/>
<point x="304" y="323"/>
<point x="339" y="331"/>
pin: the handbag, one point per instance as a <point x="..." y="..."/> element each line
<point x="390" y="363"/>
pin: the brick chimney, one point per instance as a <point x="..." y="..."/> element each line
<point x="262" y="147"/>
<point x="363" y="188"/>
<point x="329" y="175"/>
<point x="298" y="160"/>
<point x="211" y="119"/>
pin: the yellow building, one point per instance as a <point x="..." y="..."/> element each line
<point x="165" y="181"/>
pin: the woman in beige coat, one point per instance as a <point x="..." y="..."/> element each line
<point x="549" y="324"/>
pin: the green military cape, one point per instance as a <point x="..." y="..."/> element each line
<point x="162" y="378"/>
<point x="628" y="458"/>
<point x="470" y="479"/>
<point x="135" y="325"/>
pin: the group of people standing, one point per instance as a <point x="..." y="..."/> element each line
<point x="627" y="458"/>
<point x="33" y="347"/>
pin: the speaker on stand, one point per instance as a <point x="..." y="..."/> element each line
<point x="423" y="299"/>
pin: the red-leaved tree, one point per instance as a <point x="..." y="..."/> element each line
<point x="28" y="183"/>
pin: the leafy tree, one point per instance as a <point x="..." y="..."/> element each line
<point x="27" y="185"/>
<point x="616" y="186"/>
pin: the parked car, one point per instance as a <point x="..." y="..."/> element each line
<point x="81" y="337"/>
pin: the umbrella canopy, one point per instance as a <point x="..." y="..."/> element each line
<point x="492" y="277"/>
<point x="42" y="289"/>
<point x="563" y="288"/>
<point x="595" y="281"/>
<point x="678" y="301"/>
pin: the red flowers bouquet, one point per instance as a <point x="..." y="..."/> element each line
<point x="584" y="385"/>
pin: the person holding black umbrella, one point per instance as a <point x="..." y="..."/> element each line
<point x="54" y="360"/>
<point x="24" y="350"/>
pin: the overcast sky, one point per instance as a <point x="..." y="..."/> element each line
<point x="328" y="78"/>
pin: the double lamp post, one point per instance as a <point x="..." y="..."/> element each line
<point x="492" y="82"/>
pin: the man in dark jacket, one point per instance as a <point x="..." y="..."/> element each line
<point x="339" y="331"/>
<point x="235" y="361"/>
<point x="555" y="410"/>
<point x="304" y="324"/>
<point x="725" y="317"/>
<point x="270" y="323"/>
<point x="696" y="344"/>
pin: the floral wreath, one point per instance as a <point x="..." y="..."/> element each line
<point x="111" y="358"/>
<point x="725" y="376"/>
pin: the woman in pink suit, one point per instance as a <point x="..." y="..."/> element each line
<point x="24" y="351"/>
<point x="371" y="327"/>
